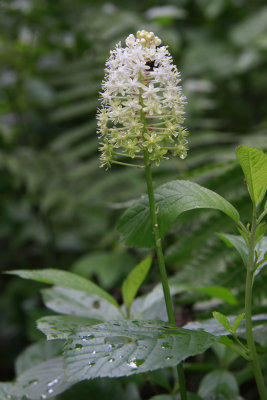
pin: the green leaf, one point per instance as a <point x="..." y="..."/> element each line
<point x="223" y="320"/>
<point x="238" y="243"/>
<point x="219" y="385"/>
<point x="127" y="347"/>
<point x="42" y="381"/>
<point x="260" y="231"/>
<point x="218" y="292"/>
<point x="75" y="302"/>
<point x="254" y="165"/>
<point x="61" y="326"/>
<point x="237" y="321"/>
<point x="134" y="280"/>
<point x="172" y="199"/>
<point x="65" y="279"/>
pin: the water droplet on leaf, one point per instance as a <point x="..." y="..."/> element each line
<point x="53" y="382"/>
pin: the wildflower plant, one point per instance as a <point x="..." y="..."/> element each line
<point x="142" y="118"/>
<point x="142" y="103"/>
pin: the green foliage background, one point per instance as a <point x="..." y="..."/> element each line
<point x="57" y="208"/>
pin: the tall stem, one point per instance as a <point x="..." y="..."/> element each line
<point x="161" y="262"/>
<point x="248" y="300"/>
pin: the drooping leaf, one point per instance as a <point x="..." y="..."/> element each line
<point x="61" y="326"/>
<point x="127" y="347"/>
<point x="75" y="302"/>
<point x="134" y="280"/>
<point x="254" y="165"/>
<point x="223" y="320"/>
<point x="238" y="243"/>
<point x="219" y="385"/>
<point x="64" y="279"/>
<point x="172" y="199"/>
<point x="42" y="381"/>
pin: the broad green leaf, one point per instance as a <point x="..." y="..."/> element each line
<point x="223" y="320"/>
<point x="254" y="165"/>
<point x="65" y="279"/>
<point x="134" y="280"/>
<point x="61" y="326"/>
<point x="237" y="321"/>
<point x="75" y="302"/>
<point x="238" y="243"/>
<point x="43" y="381"/>
<point x="218" y="292"/>
<point x="219" y="384"/>
<point x="122" y="348"/>
<point x="172" y="199"/>
<point x="37" y="353"/>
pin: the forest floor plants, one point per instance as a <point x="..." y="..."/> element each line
<point x="141" y="119"/>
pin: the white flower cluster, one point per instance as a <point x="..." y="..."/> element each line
<point x="142" y="103"/>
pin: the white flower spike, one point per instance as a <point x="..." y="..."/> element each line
<point x="142" y="102"/>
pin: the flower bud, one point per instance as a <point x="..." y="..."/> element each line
<point x="142" y="102"/>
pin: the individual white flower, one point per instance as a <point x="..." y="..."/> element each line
<point x="142" y="102"/>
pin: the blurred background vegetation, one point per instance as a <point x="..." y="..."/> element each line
<point x="57" y="207"/>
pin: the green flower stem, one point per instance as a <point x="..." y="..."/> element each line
<point x="126" y="164"/>
<point x="248" y="300"/>
<point x="161" y="262"/>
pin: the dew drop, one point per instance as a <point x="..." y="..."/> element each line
<point x="50" y="391"/>
<point x="91" y="364"/>
<point x="111" y="360"/>
<point x="43" y="396"/>
<point x="169" y="358"/>
<point x="94" y="352"/>
<point x="53" y="382"/>
<point x="182" y="156"/>
<point x="132" y="363"/>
